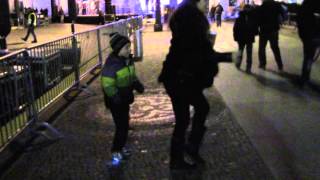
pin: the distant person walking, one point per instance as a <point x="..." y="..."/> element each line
<point x="309" y="32"/>
<point x="244" y="31"/>
<point x="218" y="11"/>
<point x="61" y="14"/>
<point x="212" y="13"/>
<point x="101" y="19"/>
<point x="32" y="23"/>
<point x="269" y="14"/>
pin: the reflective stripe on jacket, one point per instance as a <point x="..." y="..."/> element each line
<point x="117" y="77"/>
<point x="34" y="23"/>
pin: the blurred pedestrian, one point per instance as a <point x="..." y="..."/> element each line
<point x="189" y="68"/>
<point x="32" y="23"/>
<point x="218" y="11"/>
<point x="5" y="27"/>
<point x="118" y="80"/>
<point x="309" y="32"/>
<point x="269" y="26"/>
<point x="212" y="13"/>
<point x="244" y="31"/>
<point x="101" y="19"/>
<point x="61" y="14"/>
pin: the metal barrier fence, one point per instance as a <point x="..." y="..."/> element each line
<point x="16" y="101"/>
<point x="30" y="80"/>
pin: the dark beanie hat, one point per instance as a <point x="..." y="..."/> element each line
<point x="117" y="41"/>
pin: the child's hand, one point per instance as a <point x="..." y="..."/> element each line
<point x="138" y="86"/>
<point x="116" y="99"/>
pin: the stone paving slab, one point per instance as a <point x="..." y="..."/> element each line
<point x="88" y="130"/>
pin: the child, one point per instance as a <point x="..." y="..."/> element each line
<point x="244" y="31"/>
<point x="118" y="80"/>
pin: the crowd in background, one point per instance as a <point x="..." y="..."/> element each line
<point x="266" y="20"/>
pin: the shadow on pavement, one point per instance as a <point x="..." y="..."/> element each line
<point x="118" y="173"/>
<point x="16" y="43"/>
<point x="187" y="175"/>
<point x="280" y="85"/>
<point x="284" y="86"/>
<point x="296" y="80"/>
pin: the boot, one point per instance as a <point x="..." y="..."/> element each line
<point x="193" y="147"/>
<point x="177" y="161"/>
<point x="193" y="152"/>
<point x="126" y="153"/>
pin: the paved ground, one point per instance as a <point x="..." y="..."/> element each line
<point x="280" y="119"/>
<point x="88" y="130"/>
<point x="44" y="34"/>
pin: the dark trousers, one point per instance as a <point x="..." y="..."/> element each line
<point x="3" y="43"/>
<point x="31" y="30"/>
<point x="120" y="115"/>
<point x="273" y="38"/>
<point x="248" y="47"/>
<point x="181" y="103"/>
<point x="309" y="50"/>
<point x="218" y="19"/>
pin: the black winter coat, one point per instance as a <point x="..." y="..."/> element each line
<point x="5" y="26"/>
<point x="269" y="13"/>
<point x="309" y="20"/>
<point x="245" y="28"/>
<point x="191" y="59"/>
<point x="219" y="9"/>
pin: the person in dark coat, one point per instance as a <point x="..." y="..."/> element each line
<point x="189" y="68"/>
<point x="5" y="26"/>
<point x="212" y="13"/>
<point x="101" y="20"/>
<point x="309" y="32"/>
<point x="218" y="11"/>
<point x="269" y="25"/>
<point x="244" y="31"/>
<point x="61" y="14"/>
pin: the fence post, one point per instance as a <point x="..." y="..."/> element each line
<point x="30" y="99"/>
<point x="99" y="47"/>
<point x="42" y="128"/>
<point x="75" y="60"/>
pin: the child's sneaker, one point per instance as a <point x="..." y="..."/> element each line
<point x="126" y="153"/>
<point x="116" y="158"/>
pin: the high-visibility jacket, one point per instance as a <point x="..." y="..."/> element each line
<point x="117" y="78"/>
<point x="32" y="19"/>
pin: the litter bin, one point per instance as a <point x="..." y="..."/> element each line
<point x="46" y="72"/>
<point x="68" y="60"/>
<point x="137" y="45"/>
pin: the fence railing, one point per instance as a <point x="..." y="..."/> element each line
<point x="16" y="96"/>
<point x="31" y="79"/>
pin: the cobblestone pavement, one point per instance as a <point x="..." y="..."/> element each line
<point x="84" y="152"/>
